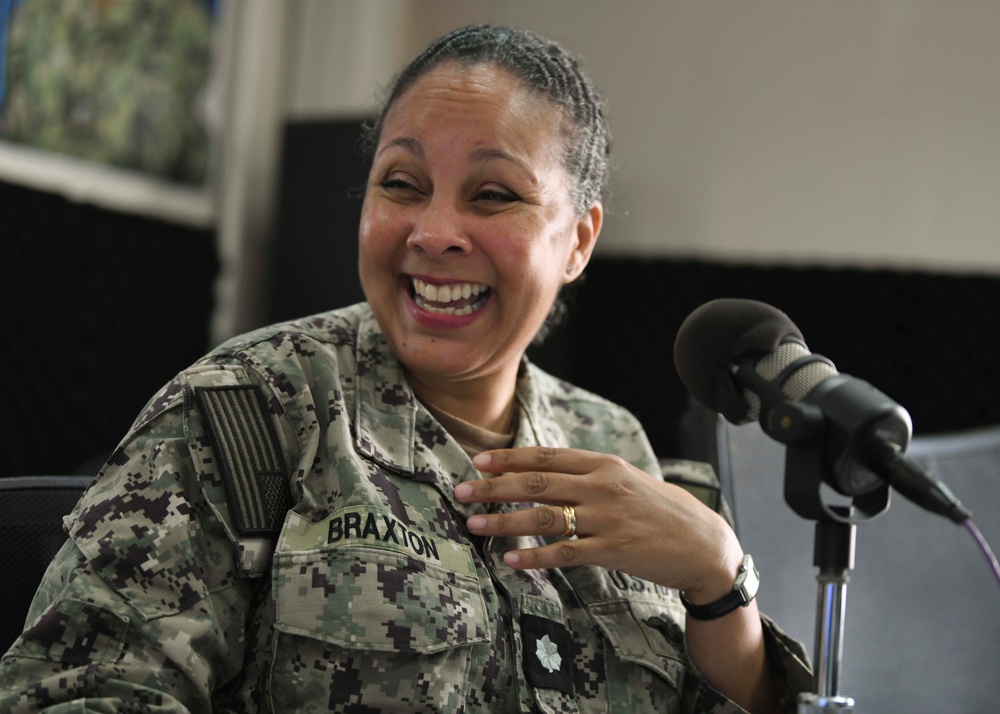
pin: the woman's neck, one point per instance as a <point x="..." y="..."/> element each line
<point x="488" y="404"/>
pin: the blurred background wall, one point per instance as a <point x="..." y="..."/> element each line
<point x="838" y="160"/>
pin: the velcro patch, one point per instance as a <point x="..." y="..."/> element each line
<point x="546" y="653"/>
<point x="373" y="527"/>
<point x="249" y="457"/>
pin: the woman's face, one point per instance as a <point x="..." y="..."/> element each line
<point x="467" y="229"/>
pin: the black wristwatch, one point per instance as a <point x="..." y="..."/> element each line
<point x="744" y="590"/>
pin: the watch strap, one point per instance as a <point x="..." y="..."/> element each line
<point x="743" y="592"/>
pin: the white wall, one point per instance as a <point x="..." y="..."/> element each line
<point x="857" y="132"/>
<point x="848" y="133"/>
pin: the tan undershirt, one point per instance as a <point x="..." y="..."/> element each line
<point x="473" y="439"/>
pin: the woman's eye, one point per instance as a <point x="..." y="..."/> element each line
<point x="391" y="183"/>
<point x="490" y="194"/>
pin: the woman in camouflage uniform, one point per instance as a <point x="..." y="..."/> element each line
<point x="387" y="507"/>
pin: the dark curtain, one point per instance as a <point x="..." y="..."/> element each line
<point x="99" y="309"/>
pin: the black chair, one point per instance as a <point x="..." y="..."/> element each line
<point x="31" y="532"/>
<point x="922" y="627"/>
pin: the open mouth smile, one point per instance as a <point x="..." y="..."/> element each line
<point x="456" y="299"/>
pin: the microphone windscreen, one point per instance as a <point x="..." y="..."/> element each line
<point x="718" y="334"/>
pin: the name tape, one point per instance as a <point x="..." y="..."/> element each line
<point x="375" y="528"/>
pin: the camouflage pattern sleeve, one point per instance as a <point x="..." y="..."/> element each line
<point x="143" y="608"/>
<point x="790" y="665"/>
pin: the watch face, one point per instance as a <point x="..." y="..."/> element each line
<point x="749" y="579"/>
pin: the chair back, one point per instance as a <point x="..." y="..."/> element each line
<point x="922" y="623"/>
<point x="31" y="532"/>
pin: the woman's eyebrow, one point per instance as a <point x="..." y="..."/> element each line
<point x="407" y="143"/>
<point x="483" y="154"/>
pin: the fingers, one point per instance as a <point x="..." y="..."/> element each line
<point x="538" y="486"/>
<point x="563" y="554"/>
<point x="556" y="555"/>
<point x="602" y="494"/>
<point x="544" y="458"/>
<point x="544" y="475"/>
<point x="626" y="519"/>
<point x="540" y="520"/>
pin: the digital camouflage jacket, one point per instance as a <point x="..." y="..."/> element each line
<point x="277" y="532"/>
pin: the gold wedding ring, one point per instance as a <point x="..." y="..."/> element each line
<point x="569" y="513"/>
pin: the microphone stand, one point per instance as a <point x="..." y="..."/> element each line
<point x="833" y="554"/>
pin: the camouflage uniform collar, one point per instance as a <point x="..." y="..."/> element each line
<point x="386" y="409"/>
<point x="536" y="424"/>
<point x="389" y="416"/>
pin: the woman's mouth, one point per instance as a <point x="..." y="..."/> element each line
<point x="454" y="299"/>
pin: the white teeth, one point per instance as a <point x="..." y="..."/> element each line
<point x="447" y="293"/>
<point x="425" y="293"/>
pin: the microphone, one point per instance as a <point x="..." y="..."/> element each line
<point x="748" y="361"/>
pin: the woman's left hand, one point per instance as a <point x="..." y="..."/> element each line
<point x="626" y="519"/>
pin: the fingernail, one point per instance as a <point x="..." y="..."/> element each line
<point x="462" y="491"/>
<point x="480" y="460"/>
<point x="476" y="523"/>
<point x="511" y="558"/>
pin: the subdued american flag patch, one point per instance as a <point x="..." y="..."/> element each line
<point x="249" y="456"/>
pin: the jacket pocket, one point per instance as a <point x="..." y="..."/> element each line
<point x="644" y="633"/>
<point x="641" y="625"/>
<point x="374" y="599"/>
<point x="367" y="624"/>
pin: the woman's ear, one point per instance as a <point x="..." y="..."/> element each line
<point x="588" y="227"/>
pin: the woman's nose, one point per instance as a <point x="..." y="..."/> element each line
<point x="438" y="230"/>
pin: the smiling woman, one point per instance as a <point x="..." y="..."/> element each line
<point x="388" y="507"/>
<point x="468" y="189"/>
